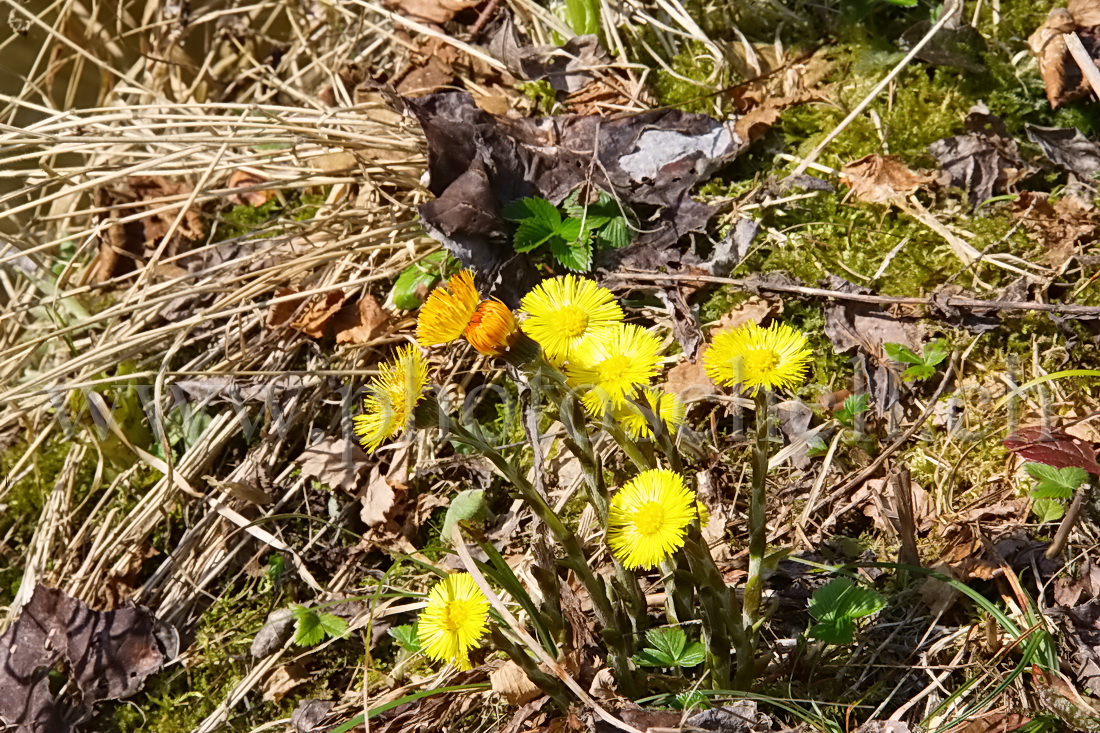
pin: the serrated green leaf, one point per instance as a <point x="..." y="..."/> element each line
<point x="901" y="353"/>
<point x="670" y="641"/>
<point x="919" y="371"/>
<point x="572" y="230"/>
<point x="307" y="626"/>
<point x="532" y="207"/>
<point x="334" y="626"/>
<point x="1055" y="483"/>
<point x="577" y="257"/>
<point x="825" y="602"/>
<point x="406" y="636"/>
<point x="834" y="631"/>
<point x="614" y="234"/>
<point x="531" y="233"/>
<point x="840" y="598"/>
<point x="693" y="655"/>
<point x="653" y="658"/>
<point x="1048" y="510"/>
<point x="669" y="648"/>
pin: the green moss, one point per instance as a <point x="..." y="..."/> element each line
<point x="242" y="220"/>
<point x="692" y="62"/>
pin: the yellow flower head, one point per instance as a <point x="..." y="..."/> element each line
<point x="448" y="310"/>
<point x="648" y="517"/>
<point x="665" y="405"/>
<point x="562" y="311"/>
<point x="756" y="357"/>
<point x="613" y="364"/>
<point x="491" y="328"/>
<point x="393" y="395"/>
<point x="454" y="620"/>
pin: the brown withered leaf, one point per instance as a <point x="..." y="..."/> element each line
<point x="430" y="11"/>
<point x="1063" y="227"/>
<point x="282" y="680"/>
<point x="849" y="324"/>
<point x="106" y="655"/>
<point x="752" y="125"/>
<point x="335" y="462"/>
<point x="879" y="179"/>
<point x="1052" y="447"/>
<point x="689" y="380"/>
<point x="754" y="309"/>
<point x="983" y="161"/>
<point x="995" y="722"/>
<point x="124" y="247"/>
<point x="245" y="179"/>
<point x="361" y="321"/>
<point x="316" y="320"/>
<point x="1062" y="77"/>
<point x="512" y="683"/>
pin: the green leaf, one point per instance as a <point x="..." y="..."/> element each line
<point x="920" y="371"/>
<point x="577" y="257"/>
<point x="531" y="233"/>
<point x="614" y="234"/>
<point x="311" y="627"/>
<point x="406" y="637"/>
<point x="583" y="16"/>
<point x="901" y="353"/>
<point x="418" y="277"/>
<point x="854" y="405"/>
<point x="836" y="605"/>
<point x="1055" y="483"/>
<point x="669" y="648"/>
<point x="1048" y="510"/>
<point x="468" y="505"/>
<point x="532" y="207"/>
<point x="935" y="352"/>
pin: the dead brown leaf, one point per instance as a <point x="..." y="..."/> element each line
<point x="430" y="11"/>
<point x="377" y="499"/>
<point x="282" y="680"/>
<point x="879" y="179"/>
<point x="753" y="309"/>
<point x="361" y="321"/>
<point x="124" y="247"/>
<point x="245" y="179"/>
<point x="335" y="462"/>
<point x="983" y="161"/>
<point x="511" y="682"/>
<point x="1063" y="227"/>
<point x="316" y="320"/>
<point x="849" y="324"/>
<point x="689" y="380"/>
<point x="994" y="722"/>
<point x="1062" y="77"/>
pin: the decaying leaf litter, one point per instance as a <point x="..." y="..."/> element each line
<point x="205" y="212"/>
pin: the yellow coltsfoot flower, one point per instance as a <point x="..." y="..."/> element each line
<point x="563" y="311"/>
<point x="612" y="365"/>
<point x="454" y="620"/>
<point x="448" y="310"/>
<point x="665" y="405"/>
<point x="648" y="517"/>
<point x="491" y="329"/>
<point x="393" y="395"/>
<point x="756" y="357"/>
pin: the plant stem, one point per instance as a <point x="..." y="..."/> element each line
<point x="754" y="584"/>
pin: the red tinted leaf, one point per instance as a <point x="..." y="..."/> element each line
<point x="1053" y="448"/>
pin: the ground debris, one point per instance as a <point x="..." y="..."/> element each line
<point x="879" y="179"/>
<point x="1067" y="148"/>
<point x="983" y="161"/>
<point x="1052" y="447"/>
<point x="1062" y="77"/>
<point x="106" y="655"/>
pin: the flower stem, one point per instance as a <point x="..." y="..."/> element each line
<point x="754" y="584"/>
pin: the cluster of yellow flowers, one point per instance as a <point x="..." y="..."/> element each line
<point x="580" y="329"/>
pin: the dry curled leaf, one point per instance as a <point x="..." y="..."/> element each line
<point x="983" y="161"/>
<point x="315" y="320"/>
<point x="361" y="321"/>
<point x="512" y="683"/>
<point x="1062" y="77"/>
<point x="247" y="179"/>
<point x="879" y="179"/>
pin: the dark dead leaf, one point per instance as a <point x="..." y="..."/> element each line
<point x="361" y="321"/>
<point x="274" y="634"/>
<point x="957" y="45"/>
<point x="1062" y="77"/>
<point x="309" y="715"/>
<point x="1068" y="148"/>
<point x="568" y="68"/>
<point x="1052" y="447"/>
<point x="315" y="320"/>
<point x="880" y="179"/>
<point x="106" y="655"/>
<point x="736" y="717"/>
<point x="124" y="247"/>
<point x="983" y="161"/>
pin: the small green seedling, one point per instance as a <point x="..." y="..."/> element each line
<point x="854" y="405"/>
<point x="311" y="627"/>
<point x="418" y="278"/>
<point x="922" y="367"/>
<point x="406" y="637"/>
<point x="670" y="648"/>
<point x="1052" y="487"/>
<point x="583" y="16"/>
<point x="836" y="606"/>
<point x="570" y="239"/>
